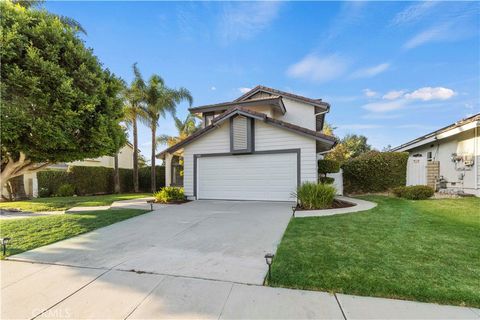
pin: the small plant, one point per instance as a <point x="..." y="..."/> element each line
<point x="327" y="166"/>
<point x="170" y="194"/>
<point x="43" y="192"/>
<point x="66" y="190"/>
<point x="414" y="192"/>
<point x="313" y="196"/>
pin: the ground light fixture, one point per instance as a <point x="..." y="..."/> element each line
<point x="4" y="242"/>
<point x="269" y="260"/>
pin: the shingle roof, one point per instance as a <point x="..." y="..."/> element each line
<point x="315" y="102"/>
<point x="273" y="100"/>
<point x="278" y="123"/>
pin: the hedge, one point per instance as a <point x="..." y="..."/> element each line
<point x="328" y="166"/>
<point x="414" y="192"/>
<point x="96" y="180"/>
<point x="375" y="172"/>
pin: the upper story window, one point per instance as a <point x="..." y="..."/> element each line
<point x="208" y="118"/>
<point x="241" y="134"/>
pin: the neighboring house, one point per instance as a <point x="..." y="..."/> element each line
<point x="260" y="146"/>
<point x="448" y="158"/>
<point x="125" y="161"/>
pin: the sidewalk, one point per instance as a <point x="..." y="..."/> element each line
<point x="52" y="291"/>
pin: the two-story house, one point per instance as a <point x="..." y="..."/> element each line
<point x="260" y="146"/>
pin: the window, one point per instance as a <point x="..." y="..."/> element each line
<point x="241" y="134"/>
<point x="429" y="156"/>
<point x="208" y="118"/>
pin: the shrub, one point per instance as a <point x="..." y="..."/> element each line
<point x="91" y="180"/>
<point x="327" y="180"/>
<point x="126" y="180"/>
<point x="43" y="193"/>
<point x="312" y="196"/>
<point x="66" y="190"/>
<point x="375" y="172"/>
<point x="144" y="178"/>
<point x="170" y="194"/>
<point x="414" y="192"/>
<point x="49" y="181"/>
<point x="328" y="166"/>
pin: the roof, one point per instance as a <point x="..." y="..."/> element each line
<point x="260" y="88"/>
<point x="418" y="141"/>
<point x="275" y="101"/>
<point x="323" y="138"/>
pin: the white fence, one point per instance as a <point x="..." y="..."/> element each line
<point x="338" y="183"/>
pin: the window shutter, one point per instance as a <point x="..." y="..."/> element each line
<point x="241" y="134"/>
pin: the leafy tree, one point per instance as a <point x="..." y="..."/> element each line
<point x="134" y="97"/>
<point x="160" y="100"/>
<point x="184" y="128"/>
<point x="58" y="104"/>
<point x="356" y="145"/>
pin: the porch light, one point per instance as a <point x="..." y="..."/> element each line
<point x="269" y="260"/>
<point x="4" y="242"/>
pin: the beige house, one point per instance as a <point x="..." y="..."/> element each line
<point x="125" y="161"/>
<point x="447" y="159"/>
<point x="261" y="146"/>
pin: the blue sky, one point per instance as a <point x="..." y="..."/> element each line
<point x="391" y="70"/>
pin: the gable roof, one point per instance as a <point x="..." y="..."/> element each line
<point x="328" y="141"/>
<point x="432" y="136"/>
<point x="276" y="92"/>
<point x="275" y="101"/>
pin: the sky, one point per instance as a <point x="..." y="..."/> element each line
<point x="392" y="71"/>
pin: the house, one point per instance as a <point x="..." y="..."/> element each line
<point x="125" y="161"/>
<point x="448" y="158"/>
<point x="260" y="146"/>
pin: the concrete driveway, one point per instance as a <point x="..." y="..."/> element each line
<point x="219" y="240"/>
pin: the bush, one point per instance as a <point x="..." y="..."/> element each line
<point x="144" y="178"/>
<point x="327" y="180"/>
<point x="328" y="166"/>
<point x="49" y="181"/>
<point x="43" y="193"/>
<point x="313" y="196"/>
<point x="170" y="194"/>
<point x="414" y="192"/>
<point x="91" y="180"/>
<point x="375" y="172"/>
<point x="66" y="190"/>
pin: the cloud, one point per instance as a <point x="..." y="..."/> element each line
<point x="433" y="34"/>
<point x="371" y="71"/>
<point x="383" y="116"/>
<point x="429" y="93"/>
<point x="385" y="106"/>
<point x="369" y="93"/>
<point x="319" y="69"/>
<point x="244" y="20"/>
<point x="394" y="94"/>
<point x="244" y="90"/>
<point x="413" y="12"/>
<point x="213" y="88"/>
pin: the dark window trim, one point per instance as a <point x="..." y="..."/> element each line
<point x="223" y="154"/>
<point x="250" y="136"/>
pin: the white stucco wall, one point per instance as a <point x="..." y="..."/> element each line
<point x="267" y="137"/>
<point x="298" y="113"/>
<point x="462" y="143"/>
<point x="125" y="160"/>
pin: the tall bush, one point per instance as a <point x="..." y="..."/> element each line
<point x="326" y="166"/>
<point x="375" y="172"/>
<point x="91" y="180"/>
<point x="49" y="181"/>
<point x="144" y="178"/>
<point x="313" y="196"/>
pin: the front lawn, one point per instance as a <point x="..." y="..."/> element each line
<point x="30" y="233"/>
<point x="416" y="250"/>
<point x="64" y="203"/>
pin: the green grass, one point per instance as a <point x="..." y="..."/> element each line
<point x="64" y="203"/>
<point x="416" y="250"/>
<point x="30" y="233"/>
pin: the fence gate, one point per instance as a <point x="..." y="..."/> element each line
<point x="416" y="171"/>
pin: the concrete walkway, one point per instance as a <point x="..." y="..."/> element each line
<point x="360" y="205"/>
<point x="140" y="203"/>
<point x="46" y="291"/>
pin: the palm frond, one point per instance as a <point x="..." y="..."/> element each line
<point x="72" y="23"/>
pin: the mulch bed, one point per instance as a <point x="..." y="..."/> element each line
<point x="336" y="205"/>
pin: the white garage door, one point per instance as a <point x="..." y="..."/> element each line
<point x="247" y="177"/>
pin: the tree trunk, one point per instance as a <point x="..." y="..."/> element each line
<point x="18" y="188"/>
<point x="135" y="156"/>
<point x="116" y="175"/>
<point x="154" y="180"/>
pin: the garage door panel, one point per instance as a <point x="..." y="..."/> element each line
<point x="247" y="177"/>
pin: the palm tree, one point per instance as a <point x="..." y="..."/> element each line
<point x="134" y="97"/>
<point x="160" y="100"/>
<point x="185" y="129"/>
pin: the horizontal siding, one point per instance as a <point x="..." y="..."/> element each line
<point x="268" y="137"/>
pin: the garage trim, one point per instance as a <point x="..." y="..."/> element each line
<point x="203" y="155"/>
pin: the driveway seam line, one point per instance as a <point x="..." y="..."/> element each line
<point x="225" y="302"/>
<point x="68" y="296"/>
<point x="25" y="277"/>
<point x="340" y="306"/>
<point x="145" y="298"/>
